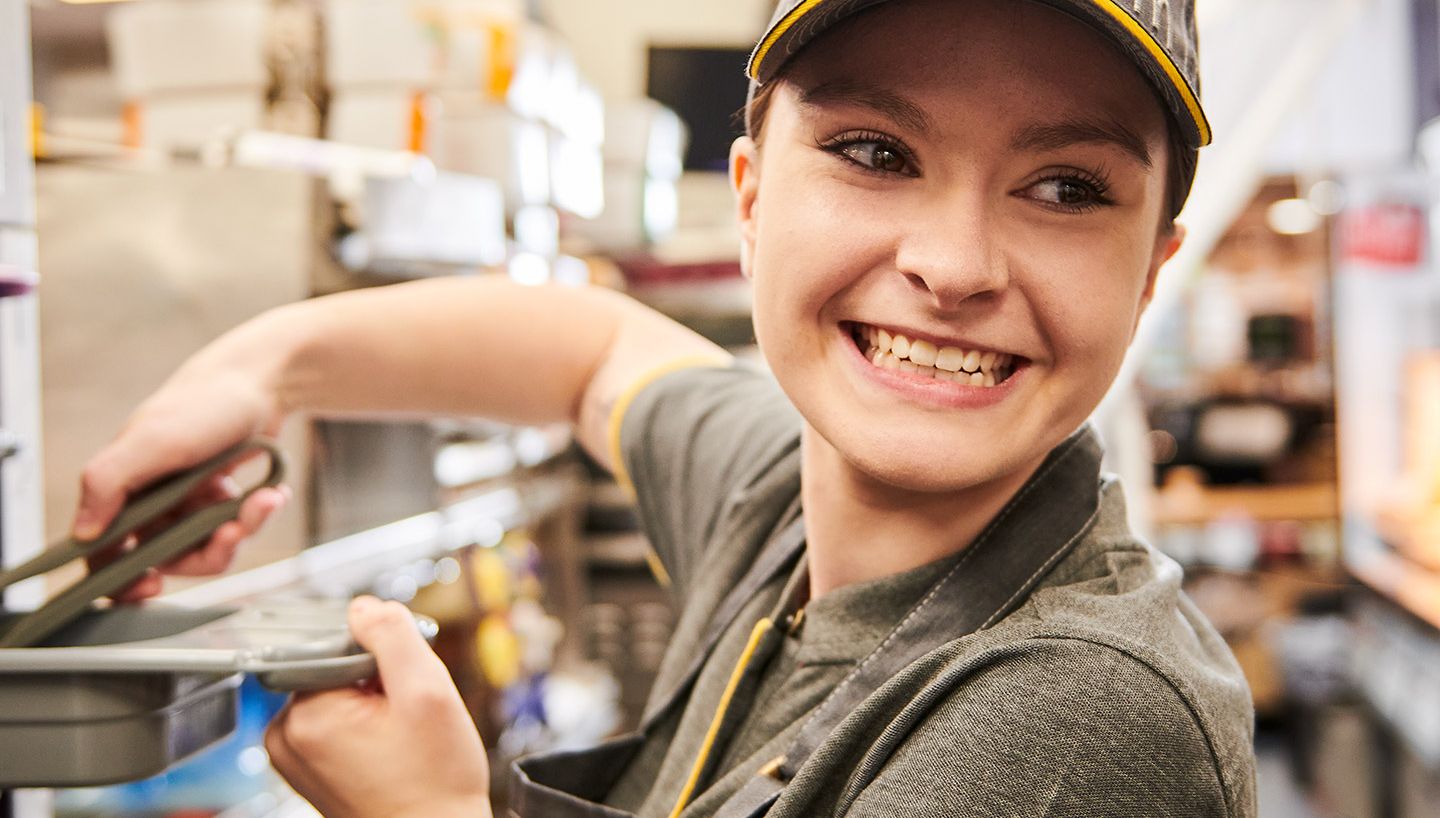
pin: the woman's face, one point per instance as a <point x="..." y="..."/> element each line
<point x="985" y="178"/>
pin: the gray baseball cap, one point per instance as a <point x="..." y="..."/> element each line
<point x="1159" y="35"/>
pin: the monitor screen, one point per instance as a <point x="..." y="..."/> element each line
<point x="707" y="88"/>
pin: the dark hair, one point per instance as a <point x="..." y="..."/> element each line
<point x="1178" y="176"/>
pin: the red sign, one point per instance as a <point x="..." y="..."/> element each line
<point x="1384" y="234"/>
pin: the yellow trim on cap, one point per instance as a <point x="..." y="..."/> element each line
<point x="627" y="397"/>
<point x="761" y="628"/>
<point x="779" y="31"/>
<point x="657" y="568"/>
<point x="1123" y="17"/>
<point x="1172" y="72"/>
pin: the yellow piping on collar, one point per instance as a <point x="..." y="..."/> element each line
<point x="761" y="628"/>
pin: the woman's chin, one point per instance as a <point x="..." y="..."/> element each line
<point x="923" y="469"/>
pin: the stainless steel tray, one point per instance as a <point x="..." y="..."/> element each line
<point x="123" y="693"/>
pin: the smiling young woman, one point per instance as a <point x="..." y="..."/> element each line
<point x="905" y="586"/>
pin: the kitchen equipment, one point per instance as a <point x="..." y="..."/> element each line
<point x="122" y="694"/>
<point x="92" y="696"/>
<point x="146" y="509"/>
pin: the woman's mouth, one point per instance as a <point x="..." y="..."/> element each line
<point x="925" y="359"/>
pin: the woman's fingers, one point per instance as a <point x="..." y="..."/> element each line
<point x="130" y="463"/>
<point x="142" y="589"/>
<point x="410" y="672"/>
<point x="406" y="746"/>
<point x="217" y="554"/>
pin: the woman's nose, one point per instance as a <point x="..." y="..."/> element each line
<point x="951" y="254"/>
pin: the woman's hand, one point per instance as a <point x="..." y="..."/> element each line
<point x="403" y="748"/>
<point x="220" y="397"/>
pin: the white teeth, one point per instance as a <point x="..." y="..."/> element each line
<point x="950" y="359"/>
<point x="926" y="359"/>
<point x="900" y="346"/>
<point x="923" y="353"/>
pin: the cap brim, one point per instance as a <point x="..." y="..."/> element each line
<point x="791" y="31"/>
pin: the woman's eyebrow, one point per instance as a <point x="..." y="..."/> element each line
<point x="900" y="110"/>
<point x="1076" y="131"/>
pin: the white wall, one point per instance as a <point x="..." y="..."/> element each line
<point x="1359" y="113"/>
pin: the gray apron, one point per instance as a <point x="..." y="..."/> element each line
<point x="1035" y="530"/>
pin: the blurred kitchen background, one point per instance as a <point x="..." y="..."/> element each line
<point x="198" y="161"/>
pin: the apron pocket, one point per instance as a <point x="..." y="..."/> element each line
<point x="570" y="784"/>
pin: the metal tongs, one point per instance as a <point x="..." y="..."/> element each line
<point x="146" y="507"/>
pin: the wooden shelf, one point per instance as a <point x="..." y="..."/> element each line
<point x="1197" y="505"/>
<point x="1412" y="587"/>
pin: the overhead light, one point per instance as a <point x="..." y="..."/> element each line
<point x="1293" y="217"/>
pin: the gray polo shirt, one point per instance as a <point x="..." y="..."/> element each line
<point x="1104" y="693"/>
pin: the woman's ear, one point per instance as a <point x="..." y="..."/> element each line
<point x="1167" y="244"/>
<point x="745" y="181"/>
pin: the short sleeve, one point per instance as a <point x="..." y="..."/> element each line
<point x="686" y="441"/>
<point x="1064" y="729"/>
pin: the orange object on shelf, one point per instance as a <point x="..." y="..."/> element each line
<point x="504" y="44"/>
<point x="132" y="121"/>
<point x="419" y="135"/>
<point x="37" y="130"/>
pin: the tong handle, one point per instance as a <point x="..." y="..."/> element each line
<point x="144" y="508"/>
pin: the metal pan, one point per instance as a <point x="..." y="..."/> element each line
<point x="124" y="693"/>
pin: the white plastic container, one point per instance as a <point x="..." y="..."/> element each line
<point x="185" y="45"/>
<point x="452" y="219"/>
<point x="379" y="43"/>
<point x="193" y="119"/>
<point x="490" y="140"/>
<point x="642" y="133"/>
<point x="621" y="226"/>
<point x="577" y="178"/>
<point x="584" y="118"/>
<point x="375" y="118"/>
<point x="534" y="84"/>
<point x="537" y="230"/>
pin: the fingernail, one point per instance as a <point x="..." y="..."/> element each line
<point x="361" y="604"/>
<point x="85" y="529"/>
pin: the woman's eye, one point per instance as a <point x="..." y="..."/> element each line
<point x="1069" y="192"/>
<point x="877" y="156"/>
